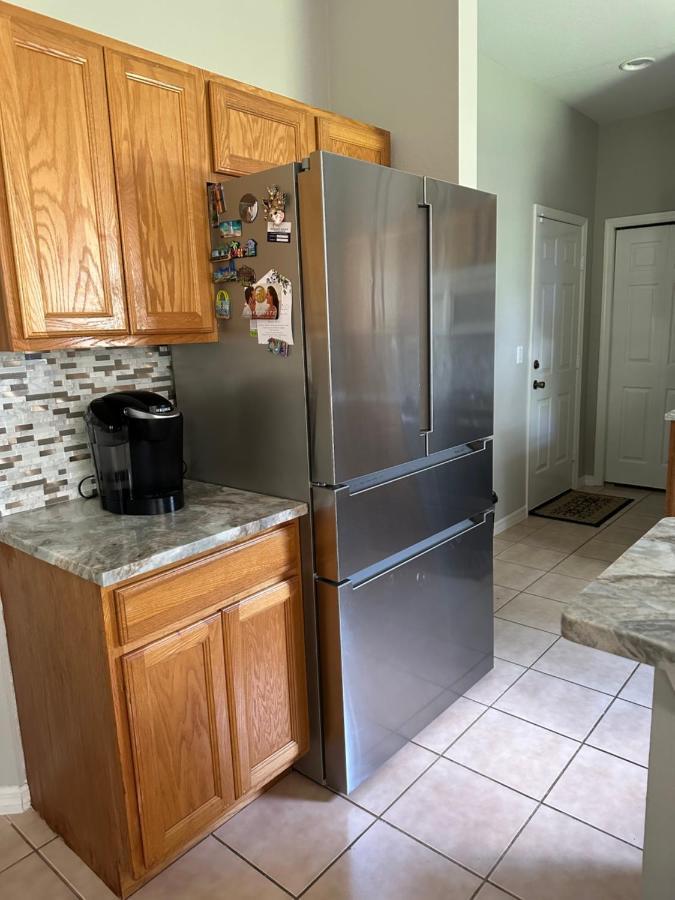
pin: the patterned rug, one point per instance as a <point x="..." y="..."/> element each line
<point x="580" y="507"/>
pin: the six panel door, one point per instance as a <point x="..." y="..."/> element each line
<point x="265" y="659"/>
<point x="157" y="118"/>
<point x="353" y="139"/>
<point x="251" y="133"/>
<point x="59" y="183"/>
<point x="180" y="734"/>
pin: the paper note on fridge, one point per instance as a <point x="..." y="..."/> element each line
<point x="278" y="293"/>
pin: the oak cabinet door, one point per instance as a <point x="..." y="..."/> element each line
<point x="61" y="212"/>
<point x="251" y="133"/>
<point x="265" y="658"/>
<point x="178" y="717"/>
<point x="157" y="118"/>
<point x="350" y="138"/>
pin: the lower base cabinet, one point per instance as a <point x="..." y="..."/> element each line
<point x="153" y="710"/>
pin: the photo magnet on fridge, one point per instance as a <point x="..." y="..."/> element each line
<point x="230" y="228"/>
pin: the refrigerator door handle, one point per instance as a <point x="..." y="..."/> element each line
<point x="476" y="522"/>
<point x="427" y="335"/>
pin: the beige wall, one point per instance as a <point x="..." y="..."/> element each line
<point x="636" y="174"/>
<point x="397" y="65"/>
<point x="274" y="44"/>
<point x="531" y="149"/>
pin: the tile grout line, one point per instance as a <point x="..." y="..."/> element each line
<point x="251" y="864"/>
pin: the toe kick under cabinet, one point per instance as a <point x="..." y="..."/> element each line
<point x="153" y="709"/>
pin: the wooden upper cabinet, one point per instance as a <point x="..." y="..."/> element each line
<point x="250" y="132"/>
<point x="265" y="657"/>
<point x="180" y="735"/>
<point x="60" y="210"/>
<point x="350" y="138"/>
<point x="157" y="114"/>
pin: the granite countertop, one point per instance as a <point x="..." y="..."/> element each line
<point x="630" y="609"/>
<point x="670" y="416"/>
<point x="106" y="548"/>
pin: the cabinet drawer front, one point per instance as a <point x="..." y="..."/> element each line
<point x="163" y="600"/>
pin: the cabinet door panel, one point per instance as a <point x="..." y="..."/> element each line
<point x="252" y="133"/>
<point x="59" y="182"/>
<point x="157" y="117"/>
<point x="266" y="668"/>
<point x="178" y="716"/>
<point x="353" y="139"/>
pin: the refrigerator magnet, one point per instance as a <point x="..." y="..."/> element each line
<point x="230" y="228"/>
<point x="222" y="305"/>
<point x="249" y="303"/>
<point x="217" y="205"/>
<point x="275" y="205"/>
<point x="266" y="301"/>
<point x="279" y="348"/>
<point x="225" y="273"/>
<point x="275" y="290"/>
<point x="248" y="208"/>
<point x="279" y="234"/>
<point x="246" y="275"/>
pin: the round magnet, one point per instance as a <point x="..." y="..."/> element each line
<point x="248" y="208"/>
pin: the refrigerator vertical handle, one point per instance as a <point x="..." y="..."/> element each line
<point x="427" y="335"/>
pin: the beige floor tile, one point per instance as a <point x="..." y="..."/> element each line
<point x="490" y="892"/>
<point x="387" y="864"/>
<point x="512" y="575"/>
<point x="495" y="682"/>
<point x="585" y="665"/>
<point x="537" y="612"/>
<point x="294" y="831"/>
<point x="32" y="879"/>
<point x="207" y="872"/>
<point x="463" y="815"/>
<point x="599" y="549"/>
<point x="604" y="791"/>
<point x="33" y="827"/>
<point x="516" y="532"/>
<point x="534" y="557"/>
<point x="652" y="504"/>
<point x="556" y="858"/>
<point x="440" y="733"/>
<point x="520" y="644"/>
<point x="624" y="731"/>
<point x="498" y="546"/>
<point x="515" y="753"/>
<point x="635" y="519"/>
<point x="557" y="537"/>
<point x="567" y="708"/>
<point x="618" y="533"/>
<point x="581" y="567"/>
<point x="381" y="789"/>
<point x="502" y="595"/>
<point x="12" y="845"/>
<point x="563" y="588"/>
<point x="640" y="686"/>
<point x="78" y="875"/>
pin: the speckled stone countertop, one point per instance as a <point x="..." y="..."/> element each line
<point x="105" y="548"/>
<point x="670" y="416"/>
<point x="630" y="609"/>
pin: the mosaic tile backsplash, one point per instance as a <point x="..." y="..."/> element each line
<point x="43" y="438"/>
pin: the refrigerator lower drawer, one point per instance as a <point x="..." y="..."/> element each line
<point x="355" y="530"/>
<point x="399" y="648"/>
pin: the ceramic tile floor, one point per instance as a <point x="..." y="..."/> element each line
<point x="531" y="786"/>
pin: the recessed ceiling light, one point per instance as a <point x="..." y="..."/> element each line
<point x="637" y="63"/>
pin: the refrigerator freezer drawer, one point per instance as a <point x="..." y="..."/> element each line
<point x="357" y="529"/>
<point x="399" y="648"/>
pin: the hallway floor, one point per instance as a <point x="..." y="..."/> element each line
<point x="531" y="786"/>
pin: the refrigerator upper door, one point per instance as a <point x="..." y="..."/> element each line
<point x="462" y="223"/>
<point x="364" y="260"/>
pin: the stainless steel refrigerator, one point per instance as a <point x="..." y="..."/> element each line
<point x="381" y="419"/>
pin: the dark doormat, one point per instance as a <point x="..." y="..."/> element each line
<point x="580" y="507"/>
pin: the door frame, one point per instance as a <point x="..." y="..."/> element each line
<point x="608" y="263"/>
<point x="558" y="215"/>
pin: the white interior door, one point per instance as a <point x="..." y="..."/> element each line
<point x="642" y="356"/>
<point x="555" y="359"/>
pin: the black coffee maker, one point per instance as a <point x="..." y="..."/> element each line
<point x="137" y="443"/>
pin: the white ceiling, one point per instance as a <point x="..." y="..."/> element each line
<point x="573" y="49"/>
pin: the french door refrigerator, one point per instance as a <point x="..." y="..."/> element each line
<point x="381" y="419"/>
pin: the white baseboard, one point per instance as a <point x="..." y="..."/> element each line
<point x="512" y="519"/>
<point x="14" y="799"/>
<point x="590" y="481"/>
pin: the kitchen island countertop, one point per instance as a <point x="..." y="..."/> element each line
<point x="629" y="610"/>
<point x="82" y="538"/>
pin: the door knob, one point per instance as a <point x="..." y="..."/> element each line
<point x="538" y="384"/>
<point x="535" y="364"/>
